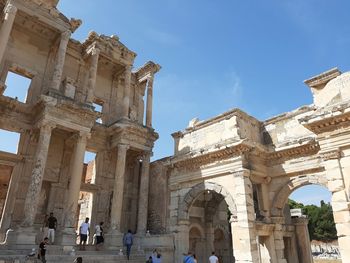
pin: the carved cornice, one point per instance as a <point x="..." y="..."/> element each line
<point x="331" y="155"/>
<point x="327" y="122"/>
<point x="280" y="156"/>
<point x="150" y="68"/>
<point x="321" y="79"/>
<point x="108" y="44"/>
<point x="200" y="160"/>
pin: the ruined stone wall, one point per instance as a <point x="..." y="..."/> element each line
<point x="158" y="211"/>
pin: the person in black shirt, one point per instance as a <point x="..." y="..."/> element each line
<point x="42" y="250"/>
<point x="52" y="225"/>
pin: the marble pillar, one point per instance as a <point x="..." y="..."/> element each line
<point x="118" y="189"/>
<point x="278" y="239"/>
<point x="143" y="196"/>
<point x="243" y="231"/>
<point x="33" y="193"/>
<point x="6" y="27"/>
<point x="149" y="102"/>
<point x="76" y="171"/>
<point x="60" y="58"/>
<point x="303" y="239"/>
<point x="182" y="239"/>
<point x="127" y="87"/>
<point x="336" y="174"/>
<point x="92" y="75"/>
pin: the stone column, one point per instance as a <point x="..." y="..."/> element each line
<point x="6" y="27"/>
<point x="76" y="172"/>
<point x="149" y="102"/>
<point x="33" y="193"/>
<point x="143" y="196"/>
<point x="92" y="75"/>
<point x="340" y="200"/>
<point x="59" y="63"/>
<point x="243" y="231"/>
<point x="118" y="189"/>
<point x="278" y="239"/>
<point x="182" y="239"/>
<point x="127" y="87"/>
<point x="303" y="239"/>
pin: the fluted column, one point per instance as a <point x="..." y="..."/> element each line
<point x="6" y="27"/>
<point x="143" y="196"/>
<point x="33" y="193"/>
<point x="92" y="75"/>
<point x="76" y="171"/>
<point x="118" y="189"/>
<point x="59" y="63"/>
<point x="127" y="87"/>
<point x="149" y="102"/>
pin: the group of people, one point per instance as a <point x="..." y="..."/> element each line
<point x="191" y="258"/>
<point x="50" y="226"/>
<point x="156" y="257"/>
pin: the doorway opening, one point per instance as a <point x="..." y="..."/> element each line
<point x="210" y="229"/>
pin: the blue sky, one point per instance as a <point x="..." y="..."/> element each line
<point x="218" y="55"/>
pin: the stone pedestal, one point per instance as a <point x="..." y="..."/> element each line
<point x="113" y="240"/>
<point x="23" y="236"/>
<point x="67" y="238"/>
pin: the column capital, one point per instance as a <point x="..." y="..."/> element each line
<point x="122" y="146"/>
<point x="66" y="35"/>
<point x="150" y="80"/>
<point x="47" y="126"/>
<point x="95" y="51"/>
<point x="11" y="9"/>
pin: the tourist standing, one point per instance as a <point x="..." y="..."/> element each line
<point x="83" y="232"/>
<point x="195" y="258"/>
<point x="188" y="258"/>
<point x="213" y="258"/>
<point x="52" y="225"/>
<point x="158" y="258"/>
<point x="128" y="241"/>
<point x="150" y="260"/>
<point x="99" y="235"/>
<point x="42" y="250"/>
<point x="78" y="260"/>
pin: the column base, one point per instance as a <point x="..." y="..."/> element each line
<point x="67" y="238"/>
<point x="23" y="236"/>
<point x="113" y="240"/>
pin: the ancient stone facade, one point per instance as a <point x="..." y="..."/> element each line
<point x="58" y="123"/>
<point x="252" y="167"/>
<point x="224" y="189"/>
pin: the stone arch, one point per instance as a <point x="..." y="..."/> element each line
<point x="196" y="190"/>
<point x="198" y="227"/>
<point x="293" y="184"/>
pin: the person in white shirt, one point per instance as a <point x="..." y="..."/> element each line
<point x="83" y="232"/>
<point x="213" y="258"/>
<point x="99" y="235"/>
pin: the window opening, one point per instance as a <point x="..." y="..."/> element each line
<point x="98" y="108"/>
<point x="9" y="141"/>
<point x="17" y="86"/>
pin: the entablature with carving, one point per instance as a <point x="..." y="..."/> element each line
<point x="110" y="47"/>
<point x="328" y="119"/>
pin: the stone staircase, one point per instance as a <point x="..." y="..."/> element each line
<point x="55" y="254"/>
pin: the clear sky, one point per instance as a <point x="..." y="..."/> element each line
<point x="218" y="55"/>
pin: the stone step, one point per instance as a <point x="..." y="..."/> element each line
<point x="69" y="259"/>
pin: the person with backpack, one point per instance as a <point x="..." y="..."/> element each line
<point x="188" y="258"/>
<point x="128" y="241"/>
